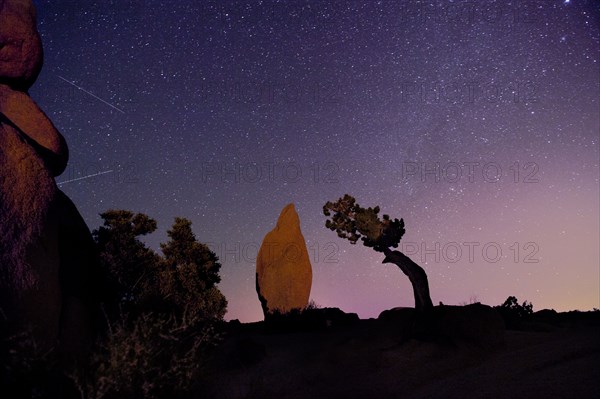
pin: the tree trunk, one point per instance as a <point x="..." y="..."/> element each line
<point x="416" y="275"/>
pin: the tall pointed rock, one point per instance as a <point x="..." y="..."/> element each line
<point x="283" y="270"/>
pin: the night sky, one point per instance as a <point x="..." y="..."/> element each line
<point x="476" y="122"/>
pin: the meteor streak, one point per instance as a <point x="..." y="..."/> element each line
<point x="85" y="177"/>
<point x="92" y="94"/>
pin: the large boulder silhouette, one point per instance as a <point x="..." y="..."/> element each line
<point x="47" y="262"/>
<point x="474" y="323"/>
<point x="283" y="269"/>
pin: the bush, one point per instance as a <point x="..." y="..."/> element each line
<point x="310" y="318"/>
<point x="28" y="372"/>
<point x="513" y="313"/>
<point x="151" y="356"/>
<point x="163" y="312"/>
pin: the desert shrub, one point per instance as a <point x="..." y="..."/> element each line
<point x="152" y="356"/>
<point x="310" y="318"/>
<point x="513" y="313"/>
<point x="24" y="370"/>
<point x="28" y="372"/>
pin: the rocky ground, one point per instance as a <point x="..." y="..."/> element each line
<point x="349" y="358"/>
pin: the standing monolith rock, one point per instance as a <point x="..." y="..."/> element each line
<point x="283" y="270"/>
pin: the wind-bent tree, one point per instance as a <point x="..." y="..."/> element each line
<point x="352" y="222"/>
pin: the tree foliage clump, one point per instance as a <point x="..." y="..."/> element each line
<point x="187" y="282"/>
<point x="163" y="311"/>
<point x="352" y="222"/>
<point x="127" y="264"/>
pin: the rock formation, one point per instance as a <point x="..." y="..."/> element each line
<point x="21" y="51"/>
<point x="475" y="323"/>
<point x="47" y="262"/>
<point x="283" y="270"/>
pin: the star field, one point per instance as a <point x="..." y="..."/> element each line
<point x="476" y="123"/>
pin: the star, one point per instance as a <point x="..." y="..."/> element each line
<point x="231" y="112"/>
